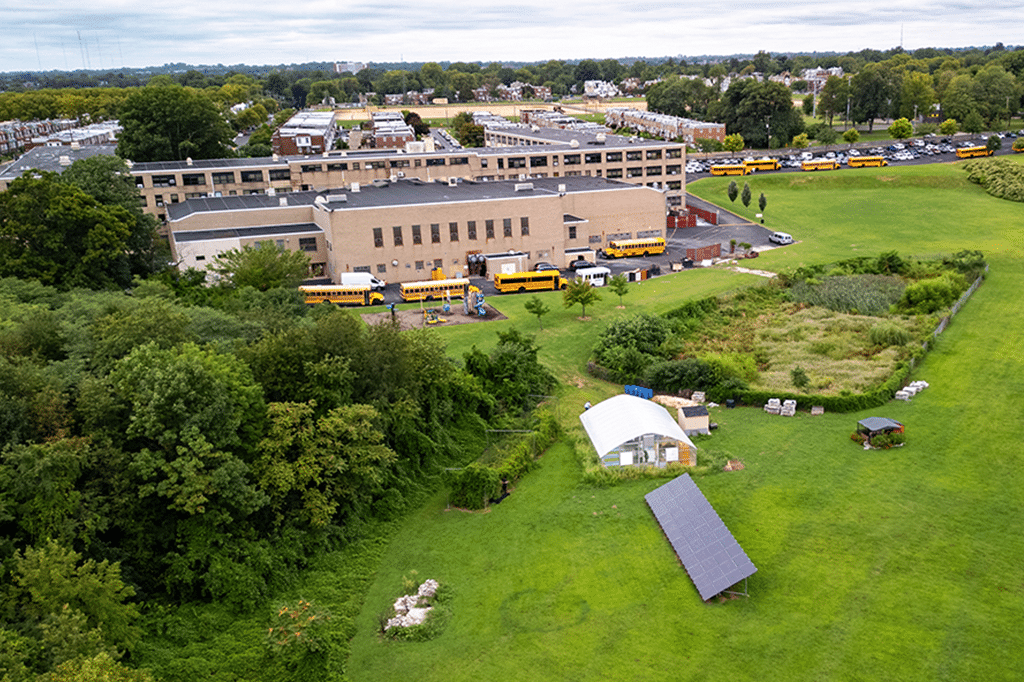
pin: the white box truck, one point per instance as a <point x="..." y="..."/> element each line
<point x="349" y="279"/>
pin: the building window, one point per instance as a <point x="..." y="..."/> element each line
<point x="517" y="162"/>
<point x="572" y="232"/>
<point x="438" y="263"/>
<point x="252" y="176"/>
<point x="653" y="170"/>
<point x="355" y="165"/>
<point x="435" y="233"/>
<point x="435" y="162"/>
<point x="419" y="265"/>
<point x="673" y="170"/>
<point x="399" y="163"/>
<point x="483" y="163"/>
<point x="674" y="184"/>
<point x="376" y="164"/>
<point x="378" y="237"/>
<point x="592" y="158"/>
<point x="417" y="238"/>
<point x="571" y="159"/>
<point x="653" y="154"/>
<point x="524" y="226"/>
<point x="538" y="161"/>
<point x="614" y="157"/>
<point x="337" y="166"/>
<point x="198" y="258"/>
<point x="307" y="243"/>
<point x="489" y="228"/>
<point x="193" y="179"/>
<point x="459" y="161"/>
<point x="174" y="198"/>
<point x="634" y="172"/>
<point x="397" y="230"/>
<point x="453" y="231"/>
<point x="226" y="178"/>
<point x="676" y="153"/>
<point x="280" y="174"/>
<point x="471" y="230"/>
<point x="507" y="225"/>
<point x="614" y="173"/>
<point x="163" y="181"/>
<point x="382" y="268"/>
<point x="311" y="168"/>
<point x="634" y="156"/>
<point x="361" y="268"/>
<point x="594" y="239"/>
<point x="501" y="163"/>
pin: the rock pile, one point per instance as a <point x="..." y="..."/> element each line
<point x="408" y="610"/>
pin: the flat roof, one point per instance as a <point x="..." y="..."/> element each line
<point x="408" y="191"/>
<point x="48" y="158"/>
<point x="238" y="232"/>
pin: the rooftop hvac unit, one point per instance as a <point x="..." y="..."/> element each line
<point x="188" y="161"/>
<point x="64" y="160"/>
<point x="271" y="191"/>
<point x="452" y="182"/>
<point x="561" y="188"/>
<point x="524" y="187"/>
<point x="575" y="144"/>
<point x="355" y="187"/>
<point x="283" y="201"/>
<point x="601" y="138"/>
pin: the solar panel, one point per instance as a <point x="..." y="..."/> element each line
<point x="710" y="554"/>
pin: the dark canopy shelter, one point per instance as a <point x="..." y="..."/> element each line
<point x="870" y="426"/>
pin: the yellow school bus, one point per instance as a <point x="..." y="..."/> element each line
<point x="339" y="294"/>
<point x="621" y="248"/>
<point x="435" y="289"/>
<point x="866" y="162"/>
<point x="730" y="169"/>
<point x="971" y="152"/>
<point x="819" y="164"/>
<point x="518" y="282"/>
<point x="763" y="164"/>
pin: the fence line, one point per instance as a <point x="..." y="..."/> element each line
<point x="956" y="306"/>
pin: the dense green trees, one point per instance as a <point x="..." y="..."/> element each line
<point x="753" y="108"/>
<point x="171" y="123"/>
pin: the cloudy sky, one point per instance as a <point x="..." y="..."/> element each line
<point x="107" y="34"/>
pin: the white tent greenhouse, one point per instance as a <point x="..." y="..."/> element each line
<point x="631" y="431"/>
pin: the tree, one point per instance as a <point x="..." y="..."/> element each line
<point x="870" y="93"/>
<point x="973" y="123"/>
<point x="733" y="143"/>
<point x="55" y="233"/>
<point x="994" y="143"/>
<point x="917" y="96"/>
<point x="801" y="141"/>
<point x="734" y="191"/>
<point x="827" y="136"/>
<point x="901" y="129"/>
<point x="949" y="126"/>
<point x="619" y="286"/>
<point x="108" y="181"/>
<point x="762" y="202"/>
<point x="535" y="306"/>
<point x="580" y="291"/>
<point x="752" y="109"/>
<point x="263" y="267"/>
<point x="851" y="136"/>
<point x="958" y="97"/>
<point x="1018" y="145"/>
<point x="99" y="668"/>
<point x="171" y="123"/>
<point x="833" y="97"/>
<point x="745" y="195"/>
<point x="799" y="377"/>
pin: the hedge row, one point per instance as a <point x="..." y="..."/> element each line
<point x="473" y="486"/>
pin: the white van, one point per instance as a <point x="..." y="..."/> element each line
<point x="595" y="276"/>
<point x="780" y="238"/>
<point x="350" y="279"/>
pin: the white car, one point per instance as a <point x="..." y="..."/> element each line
<point x="780" y="238"/>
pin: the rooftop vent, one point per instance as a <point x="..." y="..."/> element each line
<point x="283" y="201"/>
<point x="188" y="161"/>
<point x="561" y="188"/>
<point x="271" y="191"/>
<point x="355" y="187"/>
<point x="601" y="138"/>
<point x="524" y="186"/>
<point x="76" y="145"/>
<point x="575" y="144"/>
<point x="452" y="182"/>
<point x="64" y="160"/>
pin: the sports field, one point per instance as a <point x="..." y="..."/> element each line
<point x="904" y="564"/>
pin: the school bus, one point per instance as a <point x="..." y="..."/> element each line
<point x="621" y="248"/>
<point x="819" y="164"/>
<point x="730" y="169"/>
<point x="340" y="294"/>
<point x="866" y="162"/>
<point x="436" y="289"/>
<point x="529" y="281"/>
<point x="763" y="164"/>
<point x="971" y="152"/>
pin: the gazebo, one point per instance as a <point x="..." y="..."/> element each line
<point x="630" y="431"/>
<point x="873" y="426"/>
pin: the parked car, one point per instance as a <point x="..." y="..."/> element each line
<point x="780" y="238"/>
<point x="542" y="266"/>
<point x="580" y="264"/>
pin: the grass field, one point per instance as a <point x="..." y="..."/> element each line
<point x="905" y="564"/>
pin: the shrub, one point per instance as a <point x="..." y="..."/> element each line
<point x="858" y="437"/>
<point x="799" y="377"/>
<point x="673" y="376"/>
<point x="473" y="486"/>
<point x="931" y="295"/>
<point x="884" y="441"/>
<point x="889" y="334"/>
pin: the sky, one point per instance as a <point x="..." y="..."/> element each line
<point x="110" y="34"/>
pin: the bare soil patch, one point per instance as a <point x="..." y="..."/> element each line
<point x="415" y="318"/>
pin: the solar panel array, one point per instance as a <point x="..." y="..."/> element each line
<point x="710" y="554"/>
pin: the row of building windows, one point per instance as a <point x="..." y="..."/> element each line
<point x="416" y="231"/>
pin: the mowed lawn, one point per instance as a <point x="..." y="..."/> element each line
<point x="905" y="564"/>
